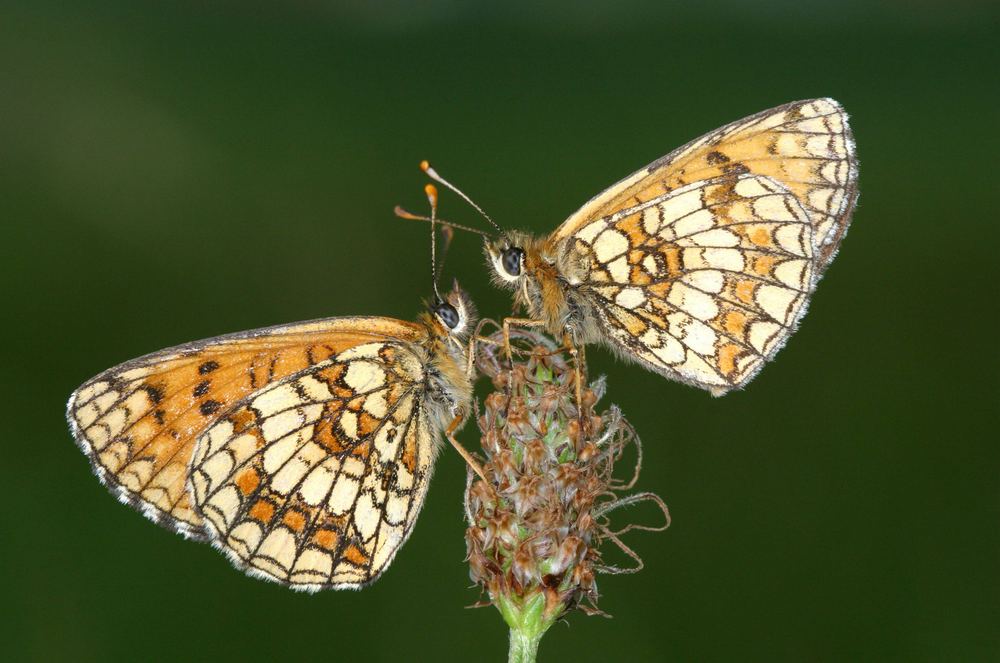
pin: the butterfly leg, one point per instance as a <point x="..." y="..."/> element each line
<point x="462" y="451"/>
<point x="578" y="359"/>
<point x="477" y="337"/>
<point x="516" y="322"/>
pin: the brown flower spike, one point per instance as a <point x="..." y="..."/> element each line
<point x="536" y="528"/>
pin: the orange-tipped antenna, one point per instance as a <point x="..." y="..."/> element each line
<point x="432" y="198"/>
<point x="426" y="167"/>
<point x="403" y="214"/>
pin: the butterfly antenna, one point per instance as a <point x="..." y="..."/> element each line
<point x="403" y="214"/>
<point x="432" y="197"/>
<point x="448" y="234"/>
<point x="426" y="167"/>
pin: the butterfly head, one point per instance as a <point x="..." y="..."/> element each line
<point x="454" y="313"/>
<point x="531" y="266"/>
<point x="508" y="256"/>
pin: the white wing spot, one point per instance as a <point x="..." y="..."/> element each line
<point x="609" y="244"/>
<point x="364" y="376"/>
<point x="630" y="298"/>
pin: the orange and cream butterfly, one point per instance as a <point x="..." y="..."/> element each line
<point x="303" y="451"/>
<point x="700" y="265"/>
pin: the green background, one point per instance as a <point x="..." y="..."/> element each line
<point x="171" y="171"/>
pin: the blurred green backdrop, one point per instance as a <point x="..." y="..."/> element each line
<point x="171" y="171"/>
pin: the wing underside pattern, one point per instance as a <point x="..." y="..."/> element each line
<point x="317" y="480"/>
<point x="705" y="283"/>
<point x="138" y="422"/>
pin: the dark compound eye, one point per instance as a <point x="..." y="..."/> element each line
<point x="447" y="314"/>
<point x="511" y="260"/>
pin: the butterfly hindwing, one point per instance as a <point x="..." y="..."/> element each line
<point x="704" y="283"/>
<point x="317" y="480"/>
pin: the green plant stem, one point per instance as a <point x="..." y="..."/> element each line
<point x="523" y="647"/>
<point x="528" y="622"/>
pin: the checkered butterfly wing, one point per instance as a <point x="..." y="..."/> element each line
<point x="316" y="480"/>
<point x="704" y="283"/>
<point x="806" y="146"/>
<point x="141" y="423"/>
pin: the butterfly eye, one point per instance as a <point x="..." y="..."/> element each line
<point x="447" y="314"/>
<point x="511" y="260"/>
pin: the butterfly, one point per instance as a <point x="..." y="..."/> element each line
<point x="303" y="452"/>
<point x="700" y="265"/>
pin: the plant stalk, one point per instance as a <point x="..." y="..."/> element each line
<point x="528" y="622"/>
<point x="523" y="647"/>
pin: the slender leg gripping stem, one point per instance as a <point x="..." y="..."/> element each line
<point x="462" y="451"/>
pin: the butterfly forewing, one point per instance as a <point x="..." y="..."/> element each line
<point x="704" y="283"/>
<point x="138" y="422"/>
<point x="316" y="480"/>
<point x="807" y="146"/>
